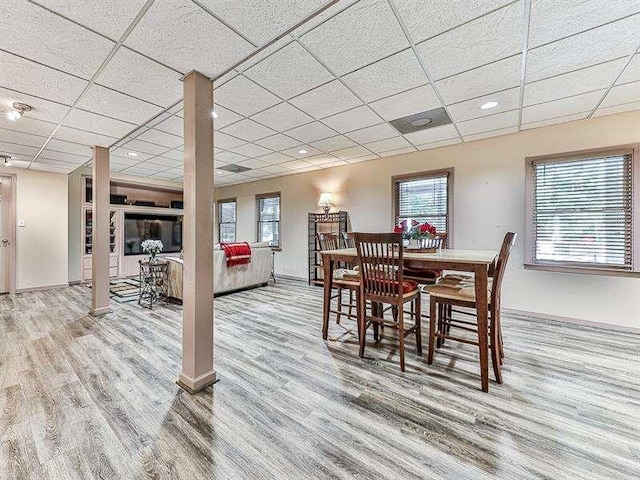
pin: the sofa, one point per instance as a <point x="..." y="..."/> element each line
<point x="226" y="280"/>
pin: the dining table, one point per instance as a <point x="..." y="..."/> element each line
<point x="477" y="262"/>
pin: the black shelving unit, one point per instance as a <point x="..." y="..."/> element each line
<point x="320" y="223"/>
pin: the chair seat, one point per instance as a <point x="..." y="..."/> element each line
<point x="457" y="277"/>
<point x="408" y="286"/>
<point x="456" y="289"/>
<point x="340" y="273"/>
<point x="422" y="274"/>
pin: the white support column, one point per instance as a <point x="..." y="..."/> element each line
<point x="100" y="233"/>
<point x="197" y="236"/>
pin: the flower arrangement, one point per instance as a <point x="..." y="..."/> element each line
<point x="417" y="230"/>
<point x="152" y="247"/>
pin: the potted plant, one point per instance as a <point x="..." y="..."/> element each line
<point x="417" y="235"/>
<point x="153" y="248"/>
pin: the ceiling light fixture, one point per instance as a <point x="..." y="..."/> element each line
<point x="20" y="109"/>
<point x="302" y="151"/>
<point x="421" y="122"/>
<point x="132" y="154"/>
<point x="488" y="105"/>
<point x="6" y="160"/>
<point x="214" y="114"/>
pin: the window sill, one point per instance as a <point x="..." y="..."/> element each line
<point x="609" y="272"/>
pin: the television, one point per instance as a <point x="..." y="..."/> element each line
<point x="139" y="227"/>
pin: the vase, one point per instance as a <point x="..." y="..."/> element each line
<point x="413" y="244"/>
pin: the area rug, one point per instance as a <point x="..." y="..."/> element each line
<point x="124" y="290"/>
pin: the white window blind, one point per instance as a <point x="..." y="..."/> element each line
<point x="269" y="220"/>
<point x="582" y="211"/>
<point x="227" y="221"/>
<point x="424" y="199"/>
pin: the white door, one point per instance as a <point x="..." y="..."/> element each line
<point x="6" y="224"/>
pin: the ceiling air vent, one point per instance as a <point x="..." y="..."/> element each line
<point x="421" y="121"/>
<point x="233" y="168"/>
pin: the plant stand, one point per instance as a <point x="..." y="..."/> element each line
<point x="153" y="282"/>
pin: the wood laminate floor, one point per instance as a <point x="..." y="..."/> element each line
<point x="91" y="398"/>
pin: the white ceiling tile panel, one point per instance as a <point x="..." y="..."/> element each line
<point x="21" y="138"/>
<point x="566" y="106"/>
<point x="173" y="124"/>
<point x="402" y="104"/>
<point x="243" y="96"/>
<point x="258" y="57"/>
<point x="27" y="125"/>
<point x="492" y="133"/>
<point x="229" y="157"/>
<point x="120" y="154"/>
<point x="604" y="43"/>
<point x="387" y="145"/>
<point x="65" y="157"/>
<point x="311" y="132"/>
<point x="486" y="124"/>
<point x="632" y="72"/>
<point x="357" y="118"/>
<point x="555" y="19"/>
<point x="69" y="147"/>
<point x="361" y="159"/>
<point x="145" y="147"/>
<point x="294" y="152"/>
<point x="24" y="76"/>
<point x="251" y="150"/>
<point x="359" y="35"/>
<point x="481" y="81"/>
<point x="95" y="123"/>
<point x="37" y="34"/>
<point x="398" y="151"/>
<point x="430" y="135"/>
<point x="278" y="142"/>
<point x="140" y="77"/>
<point x="42" y="109"/>
<point x="142" y="169"/>
<point x="117" y="105"/>
<point x="282" y="117"/>
<point x="373" y="134"/>
<point x="275" y="158"/>
<point x="351" y="153"/>
<point x="439" y="144"/>
<point x="17" y="151"/>
<point x="621" y="94"/>
<point x="323" y="159"/>
<point x="617" y="109"/>
<point x="253" y="163"/>
<point x="427" y="18"/>
<point x="329" y="13"/>
<point x="295" y="165"/>
<point x="80" y="136"/>
<point x="556" y="120"/>
<point x="225" y="117"/>
<point x="180" y="34"/>
<point x="391" y="75"/>
<point x="161" y="138"/>
<point x="581" y="81"/>
<point x="326" y="100"/>
<point x="273" y="170"/>
<point x="481" y="41"/>
<point x="333" y="143"/>
<point x="111" y="18"/>
<point x="175" y="154"/>
<point x="248" y="130"/>
<point x="289" y="72"/>
<point x="166" y="162"/>
<point x="43" y="167"/>
<point x="164" y="175"/>
<point x="470" y="109"/>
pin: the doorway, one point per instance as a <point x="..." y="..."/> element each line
<point x="7" y="234"/>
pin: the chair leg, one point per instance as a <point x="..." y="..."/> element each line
<point x="363" y="323"/>
<point x="401" y="338"/>
<point x="440" y="326"/>
<point x="418" y="319"/>
<point x="432" y="328"/>
<point x="351" y="303"/>
<point x="495" y="350"/>
<point x="339" y="314"/>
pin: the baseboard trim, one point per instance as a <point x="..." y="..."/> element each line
<point x="574" y="321"/>
<point x="193" y="386"/>
<point x="291" y="277"/>
<point x="38" y="289"/>
<point x="100" y="311"/>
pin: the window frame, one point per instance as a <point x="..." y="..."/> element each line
<point x="235" y="207"/>
<point x="530" y="263"/>
<point x="262" y="196"/>
<point x="395" y="201"/>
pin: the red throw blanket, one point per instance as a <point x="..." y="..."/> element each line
<point x="237" y="253"/>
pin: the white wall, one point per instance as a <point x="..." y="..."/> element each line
<point x="489" y="199"/>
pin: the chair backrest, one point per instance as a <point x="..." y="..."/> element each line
<point x="439" y="241"/>
<point x="501" y="265"/>
<point x="328" y="241"/>
<point x="349" y="241"/>
<point x="380" y="260"/>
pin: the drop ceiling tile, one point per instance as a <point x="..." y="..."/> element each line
<point x="121" y="155"/>
<point x="333" y="143"/>
<point x="311" y="132"/>
<point x="617" y="109"/>
<point x="295" y="165"/>
<point x="555" y="19"/>
<point x="486" y="124"/>
<point x="42" y="109"/>
<point x="556" y="120"/>
<point x="95" y="123"/>
<point x="492" y="133"/>
<point x="64" y="157"/>
<point x="226" y="142"/>
<point x="459" y="50"/>
<point x="329" y="13"/>
<point x="257" y="58"/>
<point x="69" y="147"/>
<point x="601" y="44"/>
<point x="357" y="118"/>
<point x="275" y="158"/>
<point x="229" y="157"/>
<point x="161" y="138"/>
<point x="18" y="152"/>
<point x="293" y="152"/>
<point x="581" y="81"/>
<point x="43" y="167"/>
<point x="225" y="117"/>
<point x="37" y="34"/>
<point x="117" y="105"/>
<point x="373" y="134"/>
<point x="244" y="97"/>
<point x="398" y="151"/>
<point x="428" y="18"/>
<point x="175" y="154"/>
<point x="140" y="146"/>
<point x="362" y="159"/>
<point x="278" y="142"/>
<point x="566" y="106"/>
<point x="164" y="175"/>
<point x="253" y="163"/>
<point x="439" y="144"/>
<point x="274" y="170"/>
<point x="80" y="136"/>
<point x="251" y="150"/>
<point x="632" y="72"/>
<point x="336" y="163"/>
<point x="351" y="153"/>
<point x="388" y="145"/>
<point x="480" y="81"/>
<point x="402" y="104"/>
<point x="21" y="138"/>
<point x="470" y="109"/>
<point x="136" y="75"/>
<point x="326" y="100"/>
<point x="282" y="117"/>
<point x="430" y="135"/>
<point x="142" y="170"/>
<point x="173" y="124"/>
<point x="358" y="36"/>
<point x="180" y="34"/>
<point x="248" y="130"/>
<point x="165" y="162"/>
<point x="20" y="164"/>
<point x="25" y="76"/>
<point x="622" y="94"/>
<point x="262" y="21"/>
<point x="388" y="76"/>
<point x="289" y="72"/>
<point x="177" y="109"/>
<point x="27" y="125"/>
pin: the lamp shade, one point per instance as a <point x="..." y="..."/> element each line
<point x="326" y="199"/>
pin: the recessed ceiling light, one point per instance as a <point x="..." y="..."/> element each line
<point x="488" y="105"/>
<point x="132" y="154"/>
<point x="421" y="122"/>
<point x="214" y="114"/>
<point x="13" y="115"/>
<point x="302" y="151"/>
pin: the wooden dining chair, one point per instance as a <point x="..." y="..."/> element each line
<point x="422" y="275"/>
<point x="461" y="293"/>
<point x="381" y="282"/>
<point x="349" y="241"/>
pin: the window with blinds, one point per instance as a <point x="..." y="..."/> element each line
<point x="424" y="198"/>
<point x="269" y="219"/>
<point x="227" y="221"/>
<point x="582" y="211"/>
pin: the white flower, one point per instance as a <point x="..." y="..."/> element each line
<point x="152" y="246"/>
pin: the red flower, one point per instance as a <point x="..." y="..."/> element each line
<point x="398" y="229"/>
<point x="432" y="230"/>
<point x="425" y="227"/>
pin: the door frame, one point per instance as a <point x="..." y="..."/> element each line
<point x="11" y="257"/>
